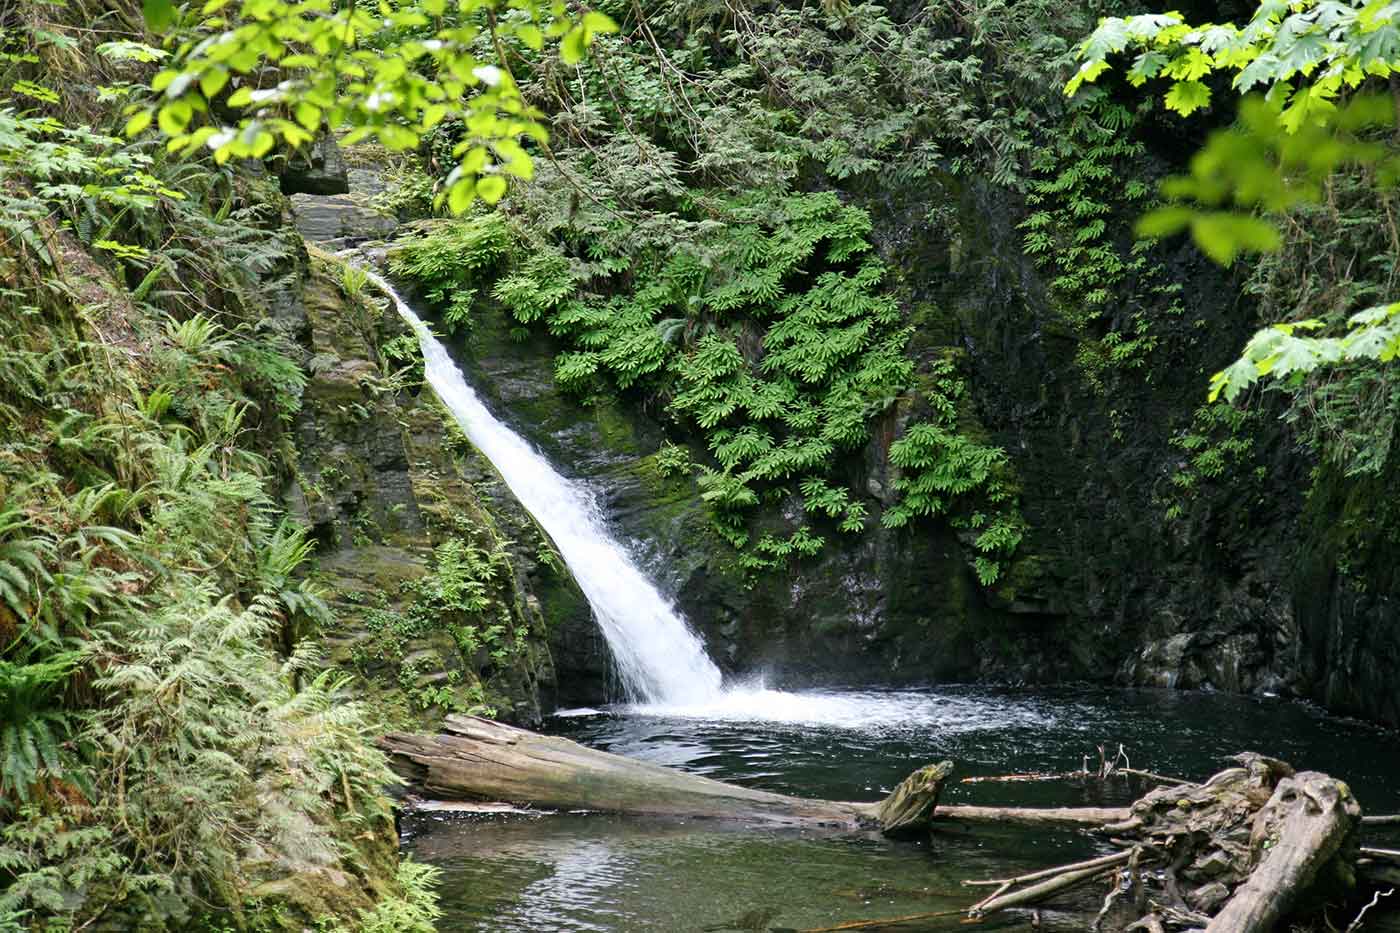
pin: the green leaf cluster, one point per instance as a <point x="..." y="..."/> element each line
<point x="1316" y="120"/>
<point x="1305" y="55"/>
<point x="1076" y="231"/>
<point x="391" y="72"/>
<point x="771" y="334"/>
<point x="161" y="743"/>
<point x="942" y="468"/>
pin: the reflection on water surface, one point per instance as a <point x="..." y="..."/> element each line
<point x="591" y="872"/>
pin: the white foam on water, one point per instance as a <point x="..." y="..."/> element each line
<point x="577" y="712"/>
<point x="855" y="710"/>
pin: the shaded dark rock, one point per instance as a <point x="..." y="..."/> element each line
<point x="319" y="169"/>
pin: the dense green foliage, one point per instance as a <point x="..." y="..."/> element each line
<point x="1305" y="176"/>
<point x="713" y="229"/>
<point x="764" y="324"/>
<point x="291" y="68"/>
<point x="771" y="338"/>
<point x="1317" y="63"/>
<point x="168" y="745"/>
<point x="940" y="463"/>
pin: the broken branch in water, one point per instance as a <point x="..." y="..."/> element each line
<point x="1039" y="892"/>
<point x="1084" y="817"/>
<point x="1069" y="776"/>
<point x="1101" y="861"/>
<point x="1149" y="776"/>
<point x="1018" y="778"/>
<point x="1385" y="855"/>
<point x="884" y="922"/>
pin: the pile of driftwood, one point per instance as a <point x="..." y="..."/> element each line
<point x="1234" y="854"/>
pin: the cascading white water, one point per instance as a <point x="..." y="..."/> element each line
<point x="658" y="657"/>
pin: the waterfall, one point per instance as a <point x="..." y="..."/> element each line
<point x="659" y="657"/>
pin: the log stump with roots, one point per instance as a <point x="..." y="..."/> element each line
<point x="1235" y="853"/>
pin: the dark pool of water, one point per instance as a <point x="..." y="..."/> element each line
<point x="590" y="872"/>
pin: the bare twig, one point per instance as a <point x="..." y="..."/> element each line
<point x="1005" y="886"/>
<point x="1375" y="899"/>
<point x="1148" y="775"/>
<point x="1385" y="855"/>
<point x="1017" y="778"/>
<point x="1127" y="882"/>
<point x="885" y="922"/>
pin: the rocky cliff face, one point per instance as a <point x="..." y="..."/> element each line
<point x="1231" y="582"/>
<point x="444" y="589"/>
<point x="1139" y="566"/>
<point x="1125" y="576"/>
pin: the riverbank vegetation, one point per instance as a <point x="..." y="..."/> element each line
<point x="171" y="753"/>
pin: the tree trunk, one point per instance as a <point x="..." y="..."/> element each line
<point x="477" y="759"/>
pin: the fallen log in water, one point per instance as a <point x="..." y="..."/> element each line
<point x="478" y="759"/>
<point x="1231" y="854"/>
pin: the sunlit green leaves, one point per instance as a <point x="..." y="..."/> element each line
<point x="1221" y="235"/>
<point x="1286" y="351"/>
<point x="1259" y="166"/>
<point x="127" y="51"/>
<point x="364" y="73"/>
<point x="35" y="91"/>
<point x="1312" y="51"/>
<point x="160" y="14"/>
<point x="575" y="43"/>
<point x="1186" y="97"/>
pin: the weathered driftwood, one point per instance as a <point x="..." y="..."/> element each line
<point x="1243" y="845"/>
<point x="1071" y="817"/>
<point x="1040" y="891"/>
<point x="1306" y="822"/>
<point x="477" y="759"/>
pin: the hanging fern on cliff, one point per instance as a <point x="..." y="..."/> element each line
<point x="772" y="335"/>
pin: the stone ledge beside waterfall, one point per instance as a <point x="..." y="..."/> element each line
<point x="385" y="482"/>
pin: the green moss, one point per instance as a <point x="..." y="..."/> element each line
<point x="617" y="428"/>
